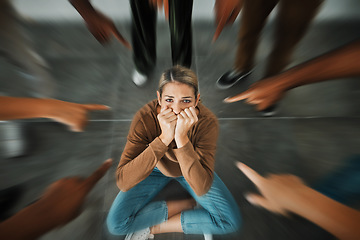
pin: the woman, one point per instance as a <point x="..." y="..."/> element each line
<point x="172" y="137"/>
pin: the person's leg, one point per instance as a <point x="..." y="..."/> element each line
<point x="132" y="210"/>
<point x="293" y="20"/>
<point x="143" y="33"/>
<point x="16" y="46"/>
<point x="253" y="16"/>
<point x="219" y="215"/>
<point x="181" y="32"/>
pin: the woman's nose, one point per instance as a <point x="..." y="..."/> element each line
<point x="176" y="108"/>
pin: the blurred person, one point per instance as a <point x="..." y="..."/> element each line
<point x="286" y="193"/>
<point x="61" y="202"/>
<point x="339" y="63"/>
<point x="293" y="19"/>
<point x="16" y="47"/>
<point x="172" y="137"/>
<point x="143" y="32"/>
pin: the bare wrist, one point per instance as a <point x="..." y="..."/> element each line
<point x="298" y="198"/>
<point x="181" y="141"/>
<point x="165" y="140"/>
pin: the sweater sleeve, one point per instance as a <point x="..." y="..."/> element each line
<point x="139" y="157"/>
<point x="197" y="162"/>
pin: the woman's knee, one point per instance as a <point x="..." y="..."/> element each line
<point x="229" y="225"/>
<point x="117" y="225"/>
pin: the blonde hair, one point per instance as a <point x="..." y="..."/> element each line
<point x="179" y="74"/>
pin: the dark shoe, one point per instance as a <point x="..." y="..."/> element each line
<point x="269" y="111"/>
<point x="229" y="79"/>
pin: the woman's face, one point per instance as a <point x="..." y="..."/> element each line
<point x="177" y="96"/>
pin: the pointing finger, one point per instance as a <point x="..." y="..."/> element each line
<point x="120" y="37"/>
<point x="95" y="107"/>
<point x="238" y="97"/>
<point x="98" y="174"/>
<point x="166" y="8"/>
<point x="220" y="26"/>
<point x="250" y="173"/>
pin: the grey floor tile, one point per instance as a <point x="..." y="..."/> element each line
<point x="57" y="153"/>
<point x="324" y="144"/>
<point x="87" y="226"/>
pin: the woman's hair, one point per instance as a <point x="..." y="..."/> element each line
<point x="179" y="74"/>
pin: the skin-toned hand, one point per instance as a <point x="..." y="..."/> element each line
<point x="167" y="120"/>
<point x="100" y="26"/>
<point x="284" y="193"/>
<point x="73" y="115"/>
<point x="185" y="120"/>
<point x="226" y="11"/>
<point x="278" y="191"/>
<point x="60" y="203"/>
<point x="159" y="3"/>
<point x="264" y="94"/>
<point x="63" y="199"/>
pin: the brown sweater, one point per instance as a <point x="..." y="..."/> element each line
<point x="144" y="151"/>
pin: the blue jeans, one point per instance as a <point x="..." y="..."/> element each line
<point x="133" y="210"/>
<point x="343" y="185"/>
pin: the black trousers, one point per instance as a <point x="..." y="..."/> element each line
<point x="143" y="33"/>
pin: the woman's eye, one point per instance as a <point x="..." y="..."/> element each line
<point x="187" y="101"/>
<point x="168" y="100"/>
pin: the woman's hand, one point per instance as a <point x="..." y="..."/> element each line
<point x="167" y="121"/>
<point x="185" y="120"/>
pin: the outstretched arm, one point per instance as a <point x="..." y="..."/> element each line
<point x="100" y="26"/>
<point x="73" y="115"/>
<point x="225" y="14"/>
<point x="340" y="63"/>
<point x="60" y="204"/>
<point x="287" y="193"/>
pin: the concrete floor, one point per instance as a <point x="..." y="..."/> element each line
<point x="316" y="128"/>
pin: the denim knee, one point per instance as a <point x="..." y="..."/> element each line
<point x="118" y="226"/>
<point x="228" y="225"/>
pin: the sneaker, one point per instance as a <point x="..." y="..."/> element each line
<point x="13" y="142"/>
<point x="269" y="111"/>
<point x="143" y="234"/>
<point x="229" y="79"/>
<point x="139" y="79"/>
<point x="208" y="237"/>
